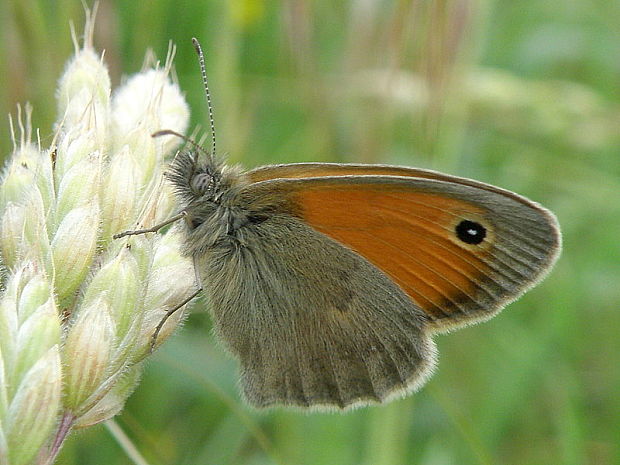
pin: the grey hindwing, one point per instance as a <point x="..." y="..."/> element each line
<point x="312" y="323"/>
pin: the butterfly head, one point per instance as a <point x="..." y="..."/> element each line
<point x="194" y="181"/>
<point x="203" y="188"/>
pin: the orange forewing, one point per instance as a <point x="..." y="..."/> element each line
<point x="407" y="234"/>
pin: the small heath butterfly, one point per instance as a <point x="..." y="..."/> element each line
<point x="327" y="281"/>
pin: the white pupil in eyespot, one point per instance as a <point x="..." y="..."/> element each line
<point x="470" y="232"/>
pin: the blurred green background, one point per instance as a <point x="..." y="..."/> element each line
<point x="524" y="95"/>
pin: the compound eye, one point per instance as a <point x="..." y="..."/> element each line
<point x="201" y="183"/>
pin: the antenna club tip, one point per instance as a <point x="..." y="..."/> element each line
<point x="197" y="45"/>
<point x="167" y="132"/>
<point x="159" y="133"/>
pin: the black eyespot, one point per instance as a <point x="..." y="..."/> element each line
<point x="470" y="232"/>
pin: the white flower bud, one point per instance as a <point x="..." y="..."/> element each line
<point x="36" y="336"/>
<point x="74" y="145"/>
<point x="32" y="413"/>
<point x="151" y="102"/>
<point x="79" y="185"/>
<point x="4" y="398"/>
<point x="9" y="321"/>
<point x="34" y="294"/>
<point x="168" y="253"/>
<point x="166" y="205"/>
<point x="122" y="299"/>
<point x="87" y="353"/>
<point x="8" y="345"/>
<point x="11" y="233"/>
<point x="20" y="175"/>
<point x="113" y="402"/>
<point x="121" y="189"/>
<point x="73" y="249"/>
<point x="142" y="247"/>
<point x="84" y="94"/>
<point x="140" y="141"/>
<point x="164" y="293"/>
<point x="29" y="324"/>
<point x="8" y="315"/>
<point x="35" y="242"/>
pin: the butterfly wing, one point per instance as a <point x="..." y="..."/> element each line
<point x="460" y="249"/>
<point x="319" y="170"/>
<point x="312" y="323"/>
<point x="329" y="293"/>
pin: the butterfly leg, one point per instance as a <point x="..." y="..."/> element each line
<point x="155" y="228"/>
<point x="170" y="312"/>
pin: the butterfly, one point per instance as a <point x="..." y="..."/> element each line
<point x="327" y="281"/>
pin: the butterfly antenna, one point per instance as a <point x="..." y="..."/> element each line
<point x="170" y="132"/>
<point x="203" y="70"/>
